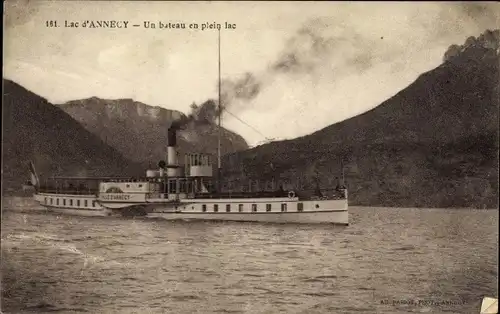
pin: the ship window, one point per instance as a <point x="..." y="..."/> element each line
<point x="204" y="207"/>
<point x="228" y="207"/>
<point x="57" y="201"/>
<point x="128" y="185"/>
<point x="78" y="203"/>
<point x="64" y="202"/>
<point x="240" y="207"/>
<point x="216" y="207"/>
<point x="51" y="201"/>
<point x="254" y="207"/>
<point x="300" y="207"/>
<point x="93" y="204"/>
<point x="70" y="202"/>
<point x="268" y="207"/>
<point x="140" y="185"/>
<point x="182" y="186"/>
<point x="85" y="203"/>
<point x="45" y="201"/>
<point x="283" y="207"/>
<point x="172" y="186"/>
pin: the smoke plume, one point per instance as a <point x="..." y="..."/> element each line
<point x="320" y="49"/>
<point x="329" y="60"/>
<point x="205" y="113"/>
<point x="305" y="51"/>
<point x="244" y="88"/>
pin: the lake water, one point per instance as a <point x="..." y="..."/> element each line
<point x="388" y="260"/>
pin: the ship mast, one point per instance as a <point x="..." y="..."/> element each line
<point x="219" y="125"/>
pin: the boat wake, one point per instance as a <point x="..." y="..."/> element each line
<point x="41" y="240"/>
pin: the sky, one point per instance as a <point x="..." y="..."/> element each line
<point x="288" y="68"/>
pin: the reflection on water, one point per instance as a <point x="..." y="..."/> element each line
<point x="387" y="261"/>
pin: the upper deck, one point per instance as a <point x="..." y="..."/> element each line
<point x="82" y="185"/>
<point x="175" y="188"/>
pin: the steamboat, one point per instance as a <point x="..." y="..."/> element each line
<point x="188" y="191"/>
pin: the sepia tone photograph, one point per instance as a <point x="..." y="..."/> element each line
<point x="250" y="157"/>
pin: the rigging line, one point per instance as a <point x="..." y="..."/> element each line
<point x="219" y="109"/>
<point x="239" y="119"/>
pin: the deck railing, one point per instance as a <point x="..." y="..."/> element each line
<point x="226" y="191"/>
<point x="303" y="195"/>
<point x="67" y="191"/>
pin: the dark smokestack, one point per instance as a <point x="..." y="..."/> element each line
<point x="172" y="136"/>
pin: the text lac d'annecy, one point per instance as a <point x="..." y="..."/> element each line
<point x="92" y="24"/>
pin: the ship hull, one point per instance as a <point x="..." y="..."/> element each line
<point x="80" y="211"/>
<point x="324" y="217"/>
<point x="56" y="203"/>
<point x="271" y="210"/>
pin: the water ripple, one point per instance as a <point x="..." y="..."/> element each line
<point x="74" y="264"/>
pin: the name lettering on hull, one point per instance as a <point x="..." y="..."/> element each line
<point x="115" y="197"/>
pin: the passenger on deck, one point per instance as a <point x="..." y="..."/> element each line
<point x="337" y="188"/>
<point x="341" y="189"/>
<point x="317" y="191"/>
<point x="281" y="191"/>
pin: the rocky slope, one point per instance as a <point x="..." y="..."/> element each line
<point x="434" y="144"/>
<point x="139" y="131"/>
<point x="34" y="129"/>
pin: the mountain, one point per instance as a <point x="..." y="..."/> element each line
<point x="433" y="144"/>
<point x="139" y="131"/>
<point x="34" y="129"/>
